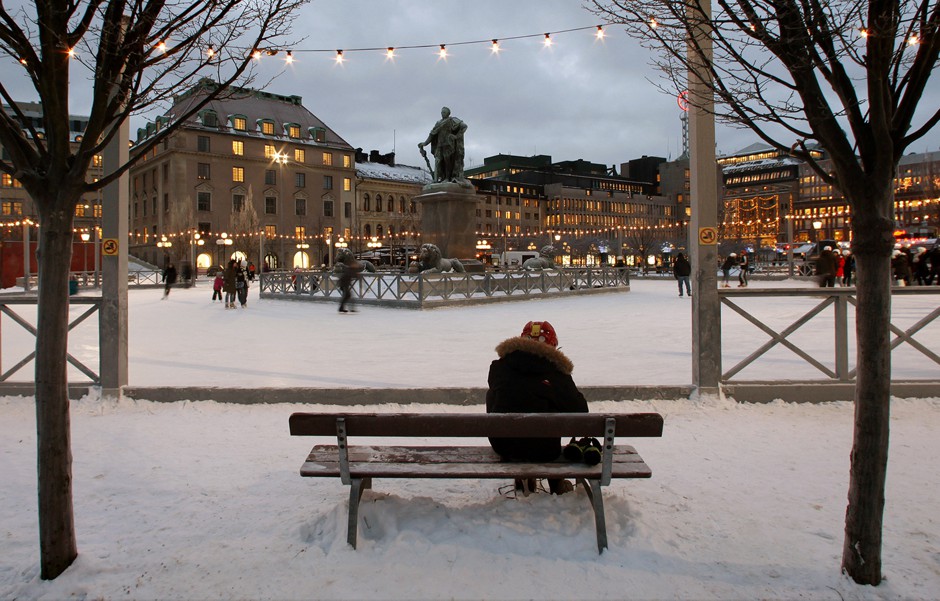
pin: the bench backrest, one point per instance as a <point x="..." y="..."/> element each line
<point x="431" y="425"/>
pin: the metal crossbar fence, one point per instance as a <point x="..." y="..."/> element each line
<point x="438" y="289"/>
<point x="839" y="300"/>
<point x="8" y="308"/>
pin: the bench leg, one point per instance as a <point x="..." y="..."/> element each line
<point x="593" y="488"/>
<point x="356" y="488"/>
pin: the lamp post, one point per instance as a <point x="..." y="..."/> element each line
<point x="483" y="246"/>
<point x="374" y="244"/>
<point x="165" y="244"/>
<point x="196" y="241"/>
<point x="817" y="225"/>
<point x="85" y="238"/>
<point x="222" y="242"/>
<point x="302" y="247"/>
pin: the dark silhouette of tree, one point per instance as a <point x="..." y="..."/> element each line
<point x="133" y="56"/>
<point x="849" y="75"/>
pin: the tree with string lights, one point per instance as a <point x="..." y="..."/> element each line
<point x="848" y="75"/>
<point x="132" y="56"/>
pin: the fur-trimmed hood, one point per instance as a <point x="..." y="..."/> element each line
<point x="539" y="349"/>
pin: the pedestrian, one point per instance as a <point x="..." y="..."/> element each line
<point x="847" y="268"/>
<point x="730" y="262"/>
<point x="840" y="266"/>
<point x="901" y="267"/>
<point x="933" y="255"/>
<point x="217" y="285"/>
<point x="228" y="284"/>
<point x="251" y="271"/>
<point x="241" y="283"/>
<point x="532" y="375"/>
<point x="350" y="273"/>
<point x="169" y="278"/>
<point x="682" y="269"/>
<point x="826" y="268"/>
<point x="920" y="268"/>
<point x="744" y="268"/>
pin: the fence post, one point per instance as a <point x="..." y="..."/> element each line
<point x="842" y="337"/>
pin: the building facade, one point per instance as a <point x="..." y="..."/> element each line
<point x="252" y="175"/>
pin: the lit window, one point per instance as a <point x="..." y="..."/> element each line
<point x="293" y="131"/>
<point x="97" y="160"/>
<point x="238" y="174"/>
<point x="300" y="155"/>
<point x="327" y="158"/>
<point x="347" y="184"/>
<point x="269" y="151"/>
<point x="239" y="123"/>
<point x="347" y="161"/>
<point x="267" y="128"/>
<point x="270" y="231"/>
<point x="238" y="147"/>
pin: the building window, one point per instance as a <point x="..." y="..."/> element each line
<point x="378" y="203"/>
<point x="238" y="147"/>
<point x="300" y="155"/>
<point x="347" y="184"/>
<point x="365" y="202"/>
<point x="210" y="119"/>
<point x="270" y="232"/>
<point x="367" y="230"/>
<point x="327" y="208"/>
<point x="270" y="177"/>
<point x="202" y="144"/>
<point x="12" y="207"/>
<point x="239" y="123"/>
<point x="203" y="201"/>
<point x="144" y="203"/>
<point x="300" y="232"/>
<point x="300" y="206"/>
<point x="10" y="182"/>
<point x="269" y="151"/>
<point x="238" y="202"/>
<point x="328" y="158"/>
<point x="293" y="131"/>
<point x="347" y="162"/>
<point x="401" y="204"/>
<point x="204" y="228"/>
<point x="238" y="174"/>
<point x="202" y="171"/>
<point x="267" y="128"/>
<point x="327" y="182"/>
<point x="166" y="203"/>
<point x="300" y="180"/>
<point x="270" y="205"/>
<point x="347" y="210"/>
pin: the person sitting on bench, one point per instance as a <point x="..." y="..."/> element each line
<point x="532" y="375"/>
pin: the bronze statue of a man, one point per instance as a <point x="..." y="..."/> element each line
<point x="446" y="140"/>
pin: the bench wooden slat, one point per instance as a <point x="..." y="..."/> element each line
<point x="520" y="425"/>
<point x="460" y="462"/>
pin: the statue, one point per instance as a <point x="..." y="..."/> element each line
<point x="446" y="140"/>
<point x="343" y="255"/>
<point x="430" y="261"/>
<point x="543" y="261"/>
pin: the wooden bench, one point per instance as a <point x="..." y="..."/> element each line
<point x="357" y="465"/>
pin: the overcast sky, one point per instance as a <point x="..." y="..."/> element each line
<point x="578" y="99"/>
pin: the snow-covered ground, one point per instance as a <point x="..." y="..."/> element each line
<point x="203" y="500"/>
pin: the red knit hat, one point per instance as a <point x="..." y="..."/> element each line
<point x="541" y="331"/>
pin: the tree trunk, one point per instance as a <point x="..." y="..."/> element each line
<point x="57" y="544"/>
<point x="861" y="552"/>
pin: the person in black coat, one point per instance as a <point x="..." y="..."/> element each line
<point x="532" y="375"/>
<point x="682" y="269"/>
<point x="169" y="278"/>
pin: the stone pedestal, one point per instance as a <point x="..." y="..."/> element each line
<point x="448" y="218"/>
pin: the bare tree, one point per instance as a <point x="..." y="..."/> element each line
<point x="848" y="74"/>
<point x="245" y="223"/>
<point x="135" y="55"/>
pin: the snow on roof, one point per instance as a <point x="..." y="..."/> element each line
<point x="762" y="164"/>
<point x="398" y="173"/>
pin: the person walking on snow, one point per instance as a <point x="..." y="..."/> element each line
<point x="682" y="269"/>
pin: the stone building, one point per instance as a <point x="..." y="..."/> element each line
<point x="252" y="175"/>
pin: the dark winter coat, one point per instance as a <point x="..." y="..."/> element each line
<point x="169" y="276"/>
<point x="682" y="267"/>
<point x="228" y="279"/>
<point x="531" y="377"/>
<point x="728" y="264"/>
<point x="826" y="264"/>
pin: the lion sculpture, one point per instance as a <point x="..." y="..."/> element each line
<point x="543" y="261"/>
<point x="343" y="254"/>
<point x="430" y="261"/>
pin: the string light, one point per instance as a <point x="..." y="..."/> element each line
<point x="339" y="57"/>
<point x="442" y="52"/>
<point x="863" y="32"/>
<point x="913" y="40"/>
<point x="653" y="23"/>
<point x="162" y="46"/>
<point x="289" y="58"/>
<point x="390" y="53"/>
<point x="256" y="54"/>
<point x="494" y="48"/>
<point x="548" y="40"/>
<point x="71" y="52"/>
<point x="210" y="52"/>
<point x="600" y="32"/>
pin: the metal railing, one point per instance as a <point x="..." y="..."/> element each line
<point x="839" y="300"/>
<point x="8" y="305"/>
<point x="426" y="290"/>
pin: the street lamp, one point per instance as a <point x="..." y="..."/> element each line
<point x="817" y="225"/>
<point x="85" y="238"/>
<point x="164" y="243"/>
<point x="222" y="242"/>
<point x="196" y="241"/>
<point x="374" y="245"/>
